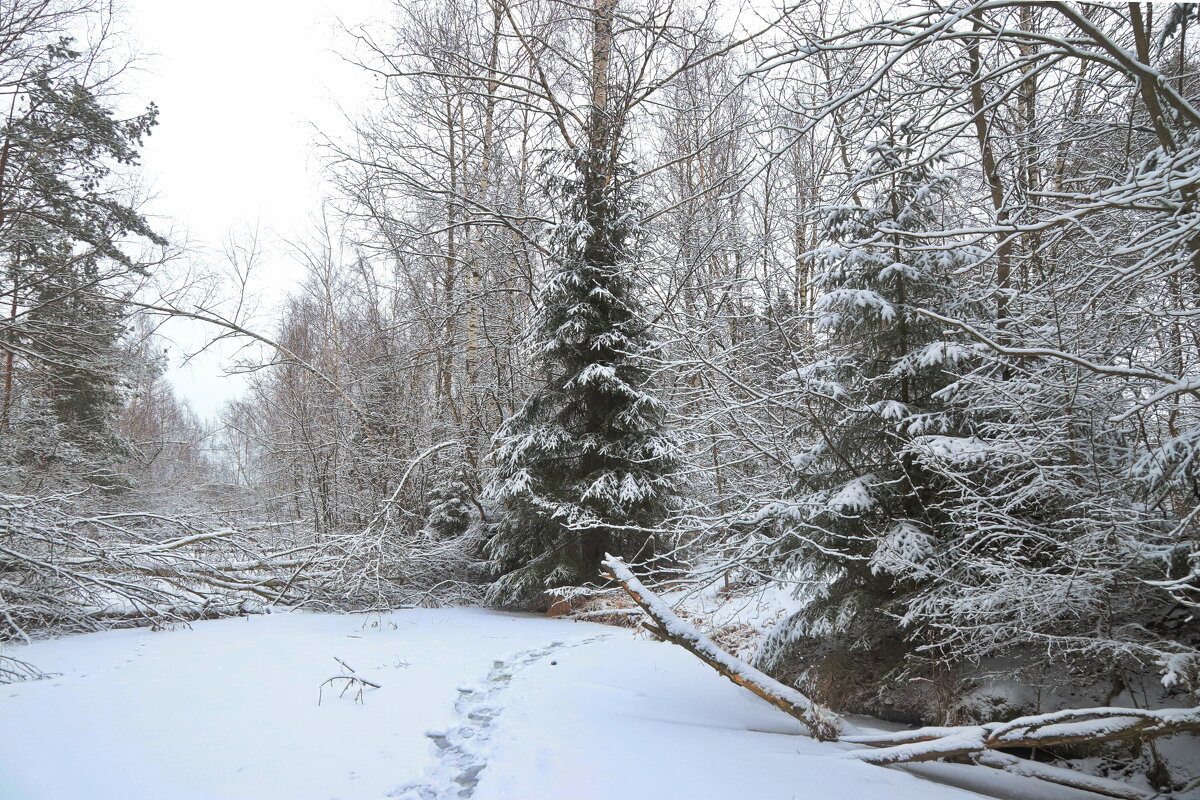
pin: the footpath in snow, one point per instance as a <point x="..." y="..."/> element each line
<point x="471" y="704"/>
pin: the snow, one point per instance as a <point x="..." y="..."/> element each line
<point x="954" y="449"/>
<point x="966" y="739"/>
<point x="854" y="298"/>
<point x="854" y="495"/>
<point x="472" y="704"/>
<point x="903" y="550"/>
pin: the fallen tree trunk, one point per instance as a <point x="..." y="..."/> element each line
<point x="1060" y="775"/>
<point x="975" y="743"/>
<point x="823" y="723"/>
<point x="1072" y="726"/>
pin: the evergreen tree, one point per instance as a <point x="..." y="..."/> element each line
<point x="448" y="513"/>
<point x="865" y="512"/>
<point x="59" y="153"/>
<point x="584" y="467"/>
<point x="64" y="234"/>
<point x="76" y="339"/>
<point x="1045" y="544"/>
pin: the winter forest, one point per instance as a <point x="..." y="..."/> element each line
<point x="849" y="351"/>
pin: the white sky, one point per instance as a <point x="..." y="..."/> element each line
<point x="240" y="85"/>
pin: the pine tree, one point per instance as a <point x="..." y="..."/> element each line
<point x="585" y="465"/>
<point x="64" y="234"/>
<point x="865" y="513"/>
<point x="75" y="367"/>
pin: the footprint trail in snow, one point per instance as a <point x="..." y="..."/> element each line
<point x="463" y="749"/>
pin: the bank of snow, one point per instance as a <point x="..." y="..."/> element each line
<point x="472" y="704"/>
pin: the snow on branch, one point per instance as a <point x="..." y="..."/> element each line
<point x="1172" y="384"/>
<point x="64" y="570"/>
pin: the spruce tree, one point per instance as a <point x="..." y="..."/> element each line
<point x="76" y="337"/>
<point x="865" y="512"/>
<point x="584" y="467"/>
<point x="448" y="512"/>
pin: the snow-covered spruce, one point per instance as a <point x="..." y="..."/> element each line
<point x="862" y="519"/>
<point x="585" y="466"/>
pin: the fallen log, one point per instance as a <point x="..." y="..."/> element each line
<point x="822" y="722"/>
<point x="1060" y="775"/>
<point x="1071" y="726"/>
<point x="979" y="744"/>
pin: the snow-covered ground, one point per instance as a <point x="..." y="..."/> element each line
<point x="471" y="704"/>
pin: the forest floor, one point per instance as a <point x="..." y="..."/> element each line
<point x="470" y="704"/>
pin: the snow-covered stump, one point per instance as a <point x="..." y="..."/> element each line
<point x="824" y="724"/>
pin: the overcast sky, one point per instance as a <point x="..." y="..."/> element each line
<point x="241" y="85"/>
